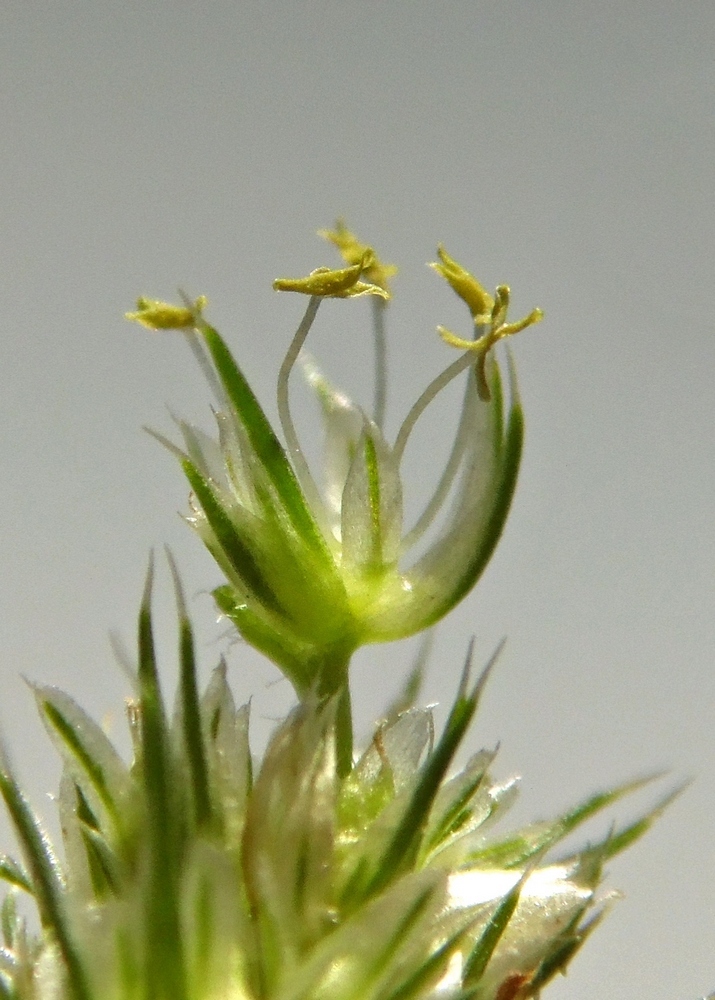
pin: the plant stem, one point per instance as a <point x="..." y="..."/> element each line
<point x="344" y="732"/>
<point x="334" y="684"/>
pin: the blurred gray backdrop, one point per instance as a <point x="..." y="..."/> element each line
<point x="564" y="148"/>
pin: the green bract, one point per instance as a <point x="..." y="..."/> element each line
<point x="314" y="571"/>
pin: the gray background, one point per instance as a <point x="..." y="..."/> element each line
<point x="564" y="148"/>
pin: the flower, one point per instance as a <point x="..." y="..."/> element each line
<point x="313" y="573"/>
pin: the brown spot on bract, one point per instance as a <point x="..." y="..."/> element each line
<point x="511" y="988"/>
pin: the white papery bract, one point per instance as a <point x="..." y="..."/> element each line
<point x="392" y="592"/>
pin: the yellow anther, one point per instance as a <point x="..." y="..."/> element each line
<point x="497" y="332"/>
<point x="350" y="247"/>
<point x="353" y="251"/>
<point x="480" y="303"/>
<point x="502" y="296"/>
<point x="157" y="315"/>
<point x="486" y="311"/>
<point x="326" y="282"/>
<point x="459" y="342"/>
<point x="509" y="329"/>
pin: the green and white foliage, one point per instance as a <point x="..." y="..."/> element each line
<point x="194" y="872"/>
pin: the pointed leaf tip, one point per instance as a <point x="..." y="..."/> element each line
<point x="178" y="586"/>
<point x="148" y="584"/>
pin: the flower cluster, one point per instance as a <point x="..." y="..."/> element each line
<point x="194" y="872"/>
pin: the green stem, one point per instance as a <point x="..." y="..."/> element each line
<point x="334" y="682"/>
<point x="344" y="732"/>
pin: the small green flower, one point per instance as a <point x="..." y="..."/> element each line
<point x="314" y="571"/>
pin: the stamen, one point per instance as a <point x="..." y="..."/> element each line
<point x="435" y="387"/>
<point x="444" y="485"/>
<point x="380" y="342"/>
<point x="198" y="349"/>
<point x="498" y="330"/>
<point x="295" y="451"/>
